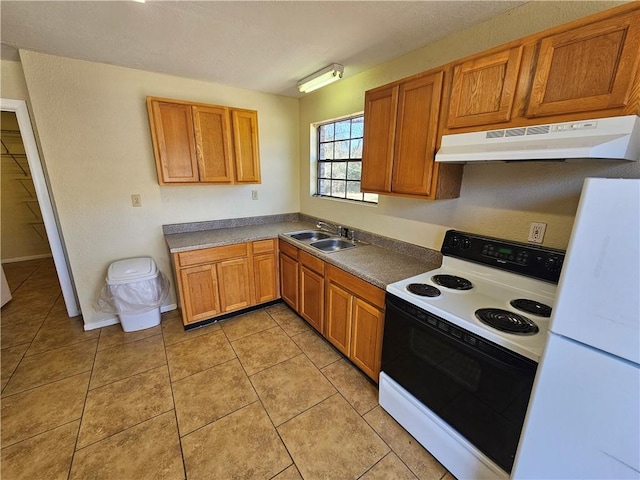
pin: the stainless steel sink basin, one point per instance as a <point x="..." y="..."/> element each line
<point x="309" y="235"/>
<point x="333" y="245"/>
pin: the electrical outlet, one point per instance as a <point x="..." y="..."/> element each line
<point x="254" y="194"/>
<point x="536" y="232"/>
<point x="136" y="200"/>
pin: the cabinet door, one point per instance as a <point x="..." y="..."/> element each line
<point x="483" y="89"/>
<point x="289" y="280"/>
<point x="266" y="278"/>
<point x="173" y="142"/>
<point x="589" y="68"/>
<point x="246" y="150"/>
<point x="199" y="293"/>
<point x="416" y="134"/>
<point x="234" y="284"/>
<point x="366" y="337"/>
<point x="213" y="143"/>
<point x="312" y="298"/>
<point x="380" y="108"/>
<point x="338" y="317"/>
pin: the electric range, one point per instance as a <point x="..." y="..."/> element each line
<point x="461" y="346"/>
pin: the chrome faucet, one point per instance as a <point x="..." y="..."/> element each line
<point x="330" y="226"/>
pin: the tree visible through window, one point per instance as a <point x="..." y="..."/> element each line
<point x="340" y="160"/>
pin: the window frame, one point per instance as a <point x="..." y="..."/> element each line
<point x="322" y="164"/>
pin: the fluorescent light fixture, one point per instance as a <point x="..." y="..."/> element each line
<point x="321" y="78"/>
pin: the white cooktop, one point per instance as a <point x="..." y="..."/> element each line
<point x="492" y="288"/>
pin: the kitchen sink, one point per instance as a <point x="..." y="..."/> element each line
<point x="309" y="235"/>
<point x="332" y="245"/>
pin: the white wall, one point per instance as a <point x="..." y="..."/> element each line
<point x="496" y="199"/>
<point x="94" y="134"/>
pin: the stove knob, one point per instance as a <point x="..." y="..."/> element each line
<point x="466" y="243"/>
<point x="553" y="264"/>
<point x="455" y="241"/>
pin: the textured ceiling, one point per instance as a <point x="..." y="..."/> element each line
<point x="265" y="46"/>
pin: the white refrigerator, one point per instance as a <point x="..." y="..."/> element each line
<point x="583" y="420"/>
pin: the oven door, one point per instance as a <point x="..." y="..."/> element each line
<point x="478" y="388"/>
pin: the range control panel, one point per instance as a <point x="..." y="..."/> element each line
<point x="530" y="260"/>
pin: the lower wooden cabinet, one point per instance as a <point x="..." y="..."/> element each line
<point x="289" y="274"/>
<point x="219" y="280"/>
<point x="311" y="300"/>
<point x="199" y="293"/>
<point x="354" y="320"/>
<point x="346" y="310"/>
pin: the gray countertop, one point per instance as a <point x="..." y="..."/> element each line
<point x="374" y="264"/>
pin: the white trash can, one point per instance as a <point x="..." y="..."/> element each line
<point x="135" y="290"/>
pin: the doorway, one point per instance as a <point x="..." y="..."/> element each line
<point x="49" y="221"/>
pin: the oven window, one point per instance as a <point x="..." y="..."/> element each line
<point x="481" y="393"/>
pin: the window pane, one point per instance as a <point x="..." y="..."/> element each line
<point x="338" y="188"/>
<point x="343" y="129"/>
<point x="326" y="133"/>
<point x="356" y="148"/>
<point x="339" y="165"/>
<point x="324" y="170"/>
<point x="354" y="171"/>
<point x="325" y="187"/>
<point x="357" y="127"/>
<point x="326" y="151"/>
<point x="342" y="150"/>
<point x="353" y="191"/>
<point x="339" y="170"/>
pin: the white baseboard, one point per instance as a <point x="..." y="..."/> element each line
<point x="24" y="259"/>
<point x="107" y="322"/>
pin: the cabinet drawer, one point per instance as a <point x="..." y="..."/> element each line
<point x="214" y="254"/>
<point x="311" y="262"/>
<point x="288" y="249"/>
<point x="358" y="287"/>
<point x="264" y="246"/>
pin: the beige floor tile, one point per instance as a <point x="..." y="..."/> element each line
<point x="197" y="354"/>
<point x="332" y="441"/>
<point x="421" y="462"/>
<point x="257" y="452"/>
<point x="291" y="387"/>
<point x="116" y="363"/>
<point x="211" y="394"/>
<point x="30" y="413"/>
<point x="319" y="351"/>
<point x="47" y="455"/>
<point x="448" y="476"/>
<point x="353" y="385"/>
<point x="9" y="359"/>
<point x="247" y="324"/>
<point x="174" y="332"/>
<point x="150" y="450"/>
<point x="390" y="467"/>
<point x="22" y="329"/>
<point x="18" y="272"/>
<point x="114" y="336"/>
<point x="59" y="332"/>
<point x="51" y="366"/>
<point x="290" y="473"/>
<point x="264" y="349"/>
<point x="122" y="404"/>
<point x="288" y="320"/>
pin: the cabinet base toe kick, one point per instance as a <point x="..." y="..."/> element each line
<point x="216" y="319"/>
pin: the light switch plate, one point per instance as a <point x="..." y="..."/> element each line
<point x="136" y="200"/>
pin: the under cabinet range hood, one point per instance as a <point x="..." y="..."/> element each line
<point x="614" y="138"/>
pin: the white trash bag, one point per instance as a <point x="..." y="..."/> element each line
<point x="134" y="298"/>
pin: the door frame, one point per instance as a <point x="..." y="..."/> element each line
<point x="19" y="107"/>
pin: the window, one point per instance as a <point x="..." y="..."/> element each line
<point x="340" y="160"/>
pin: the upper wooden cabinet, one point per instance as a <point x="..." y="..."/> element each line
<point x="581" y="70"/>
<point x="483" y="88"/>
<point x="400" y="138"/>
<point x="199" y="143"/>
<point x="588" y="68"/>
